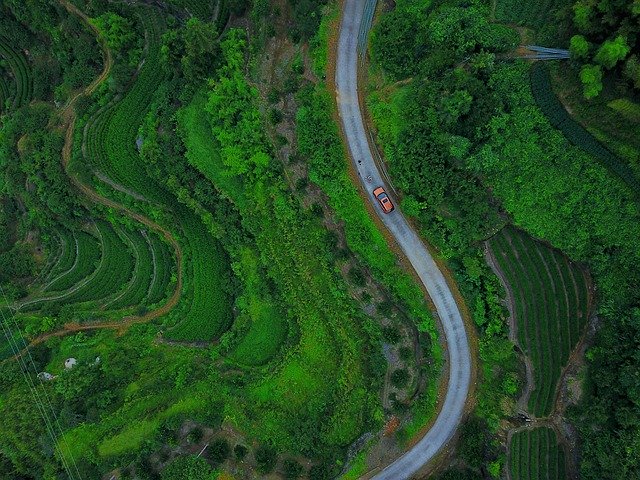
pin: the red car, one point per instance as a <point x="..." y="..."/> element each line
<point x="383" y="199"/>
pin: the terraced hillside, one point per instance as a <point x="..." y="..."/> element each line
<point x="21" y="73"/>
<point x="535" y="454"/>
<point x="550" y="308"/>
<point x="110" y="150"/>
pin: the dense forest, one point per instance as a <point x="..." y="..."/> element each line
<point x="470" y="149"/>
<point x="202" y="288"/>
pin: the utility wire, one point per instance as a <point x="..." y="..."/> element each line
<point x="39" y="402"/>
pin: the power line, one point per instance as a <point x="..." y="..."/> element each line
<point x="42" y="407"/>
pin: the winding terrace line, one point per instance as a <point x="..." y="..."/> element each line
<point x="69" y="118"/>
<point x="455" y="335"/>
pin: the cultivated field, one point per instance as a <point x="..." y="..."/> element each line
<point x="550" y="308"/>
<point x="21" y="72"/>
<point x="536" y="455"/>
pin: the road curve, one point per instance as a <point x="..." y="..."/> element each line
<point x="455" y="336"/>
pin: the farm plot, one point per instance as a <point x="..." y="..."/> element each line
<point x="550" y="308"/>
<point x="210" y="313"/>
<point x="163" y="265"/>
<point x="111" y="138"/>
<point x="4" y="91"/>
<point x="536" y="455"/>
<point x="575" y="133"/>
<point x="81" y="253"/>
<point x="137" y="291"/>
<point x="114" y="269"/>
<point x="21" y="72"/>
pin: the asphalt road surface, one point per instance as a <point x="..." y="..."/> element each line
<point x="457" y="346"/>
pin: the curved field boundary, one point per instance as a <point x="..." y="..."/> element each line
<point x="5" y="92"/>
<point x="575" y="133"/>
<point x="21" y="72"/>
<point x="84" y="259"/>
<point x="550" y="309"/>
<point x="68" y="115"/>
<point x="536" y="454"/>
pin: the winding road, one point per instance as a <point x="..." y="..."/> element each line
<point x="455" y="335"/>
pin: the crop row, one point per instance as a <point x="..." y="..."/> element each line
<point x="5" y="92"/>
<point x="77" y="262"/>
<point x="575" y="133"/>
<point x="21" y="72"/>
<point x="550" y="308"/>
<point x="210" y="313"/>
<point x="532" y="14"/>
<point x="137" y="291"/>
<point x="111" y="138"/>
<point x="536" y="455"/>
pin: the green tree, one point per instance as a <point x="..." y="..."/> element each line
<point x="400" y="378"/>
<point x="591" y="78"/>
<point x="579" y="47"/>
<point x="611" y="52"/>
<point x="266" y="458"/>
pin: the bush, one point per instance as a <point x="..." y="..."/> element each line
<point x="391" y="334"/>
<point x="356" y="275"/>
<point x="266" y="459"/>
<point x="291" y="469"/>
<point x="320" y="472"/>
<point x="219" y="451"/>
<point x="240" y="451"/>
<point x="400" y="378"/>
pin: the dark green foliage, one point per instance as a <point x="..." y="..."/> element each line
<point x="357" y="276"/>
<point x="320" y="472"/>
<point x="400" y="378"/>
<point x="291" y="469"/>
<point x="391" y="334"/>
<point x="574" y="132"/>
<point x="306" y="17"/>
<point x="266" y="458"/>
<point x="187" y="468"/>
<point x="219" y="450"/>
<point x="240" y="451"/>
<point x="609" y="416"/>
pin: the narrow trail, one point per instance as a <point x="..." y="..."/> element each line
<point x="68" y="120"/>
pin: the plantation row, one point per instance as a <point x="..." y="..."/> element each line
<point x="4" y="91"/>
<point x="550" y="308"/>
<point x="531" y="14"/>
<point x="537" y="455"/>
<point x="110" y="143"/>
<point x="267" y="328"/>
<point x="210" y="313"/>
<point x="558" y="116"/>
<point x="21" y="72"/>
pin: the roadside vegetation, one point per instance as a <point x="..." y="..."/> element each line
<point x="461" y="123"/>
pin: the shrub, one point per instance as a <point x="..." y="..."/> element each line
<point x="291" y="469"/>
<point x="400" y="378"/>
<point x="240" y="451"/>
<point x="391" y="334"/>
<point x="266" y="459"/>
<point x="219" y="451"/>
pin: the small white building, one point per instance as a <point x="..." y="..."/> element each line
<point x="69" y="363"/>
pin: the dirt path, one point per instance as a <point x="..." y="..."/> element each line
<point x="69" y="118"/>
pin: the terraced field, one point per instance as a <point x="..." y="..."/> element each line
<point x="550" y="306"/>
<point x="536" y="455"/>
<point x="110" y="146"/>
<point x="21" y="73"/>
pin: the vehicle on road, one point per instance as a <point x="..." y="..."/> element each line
<point x="383" y="199"/>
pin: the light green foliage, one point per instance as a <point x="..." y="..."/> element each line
<point x="611" y="52"/>
<point x="579" y="47"/>
<point x="591" y="78"/>
<point x="116" y="30"/>
<point x="536" y="454"/>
